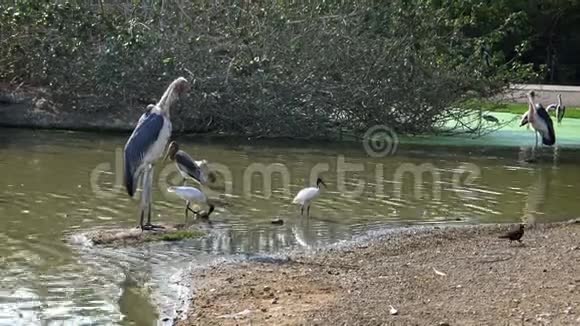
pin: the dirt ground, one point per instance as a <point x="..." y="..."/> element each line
<point x="419" y="276"/>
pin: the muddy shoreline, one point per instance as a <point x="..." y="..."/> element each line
<point x="431" y="276"/>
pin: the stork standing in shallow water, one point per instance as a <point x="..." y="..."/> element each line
<point x="307" y="195"/>
<point x="147" y="144"/>
<point x="558" y="107"/>
<point x="187" y="167"/>
<point x="540" y="121"/>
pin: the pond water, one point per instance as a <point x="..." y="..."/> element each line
<point x="55" y="184"/>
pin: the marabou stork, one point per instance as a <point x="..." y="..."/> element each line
<point x="558" y="107"/>
<point x="307" y="195"/>
<point x="147" y="144"/>
<point x="187" y="167"/>
<point x="540" y="120"/>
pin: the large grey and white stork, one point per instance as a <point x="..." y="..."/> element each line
<point x="540" y="121"/>
<point x="187" y="167"/>
<point x="559" y="108"/>
<point x="147" y="144"/>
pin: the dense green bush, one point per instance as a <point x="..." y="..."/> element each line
<point x="277" y="68"/>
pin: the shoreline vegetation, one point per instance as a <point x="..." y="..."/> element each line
<point x="453" y="275"/>
<point x="264" y="68"/>
<point x="33" y="111"/>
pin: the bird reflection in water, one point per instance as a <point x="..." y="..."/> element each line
<point x="535" y="202"/>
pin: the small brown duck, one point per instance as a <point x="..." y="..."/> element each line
<point x="514" y="235"/>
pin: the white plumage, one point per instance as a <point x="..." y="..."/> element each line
<point x="156" y="151"/>
<point x="205" y="174"/>
<point x="192" y="195"/>
<point x="306" y="196"/>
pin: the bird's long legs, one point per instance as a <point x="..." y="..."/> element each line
<point x="144" y="195"/>
<point x="150" y="193"/>
<point x="308" y="211"/>
<point x="301" y="210"/>
<point x="533" y="156"/>
<point x="147" y="199"/>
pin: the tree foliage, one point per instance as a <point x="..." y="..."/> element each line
<point x="276" y="68"/>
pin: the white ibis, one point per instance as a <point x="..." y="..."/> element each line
<point x="540" y="120"/>
<point x="187" y="167"/>
<point x="307" y="195"/>
<point x="191" y="194"/>
<point x="559" y="108"/>
<point x="147" y="144"/>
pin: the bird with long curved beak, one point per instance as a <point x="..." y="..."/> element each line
<point x="193" y="195"/>
<point x="306" y="196"/>
<point x="187" y="167"/>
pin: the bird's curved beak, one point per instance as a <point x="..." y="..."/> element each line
<point x="166" y="156"/>
<point x="324" y="184"/>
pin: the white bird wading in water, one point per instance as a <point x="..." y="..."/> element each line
<point x="306" y="196"/>
<point x="192" y="195"/>
<point x="147" y="144"/>
<point x="187" y="167"/>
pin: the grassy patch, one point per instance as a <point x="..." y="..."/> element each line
<point x="520" y="108"/>
<point x="175" y="236"/>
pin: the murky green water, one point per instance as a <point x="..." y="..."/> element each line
<point x="55" y="184"/>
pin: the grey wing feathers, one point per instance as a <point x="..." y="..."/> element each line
<point x="142" y="138"/>
<point x="550" y="138"/>
<point x="186" y="164"/>
<point x="146" y="113"/>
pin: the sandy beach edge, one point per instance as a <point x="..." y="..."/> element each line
<point x="455" y="275"/>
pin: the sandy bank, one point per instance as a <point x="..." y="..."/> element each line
<point x="447" y="276"/>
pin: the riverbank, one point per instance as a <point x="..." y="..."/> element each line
<point x="430" y="276"/>
<point x="33" y="108"/>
